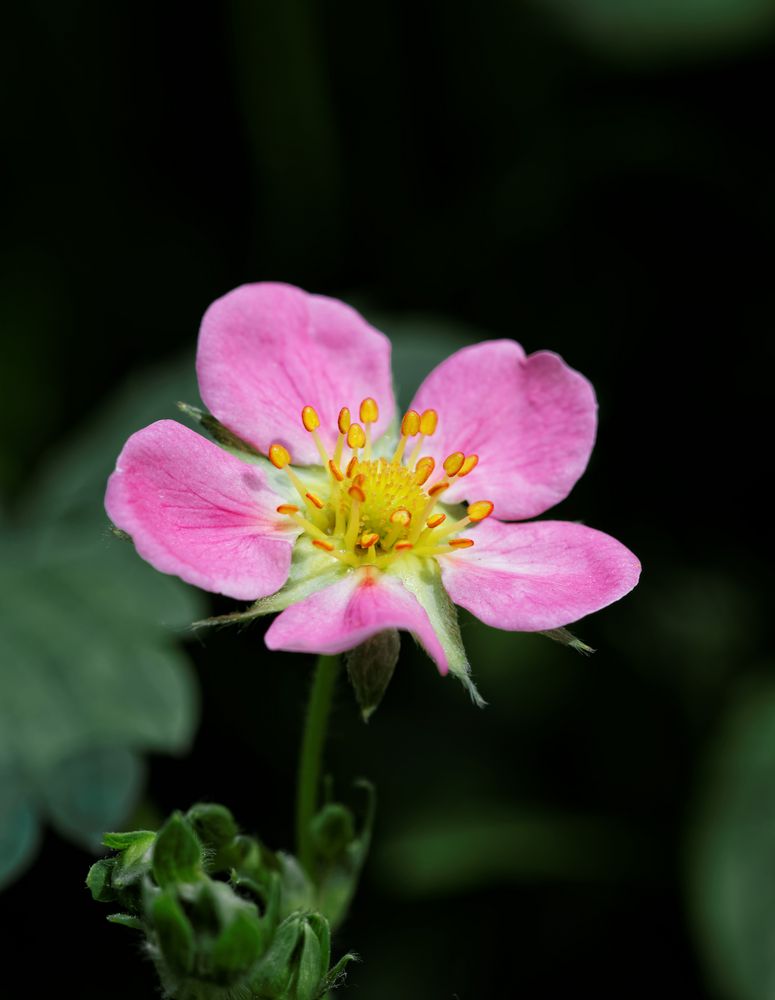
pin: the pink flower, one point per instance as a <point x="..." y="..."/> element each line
<point x="369" y="529"/>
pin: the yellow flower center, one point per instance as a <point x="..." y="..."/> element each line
<point x="374" y="510"/>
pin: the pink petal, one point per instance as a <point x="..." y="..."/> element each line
<point x="530" y="577"/>
<point x="200" y="513"/>
<point x="350" y="611"/>
<point x="531" y="420"/>
<point x="267" y="350"/>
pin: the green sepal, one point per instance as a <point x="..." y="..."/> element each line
<point x="123" y="841"/>
<point x="126" y="920"/>
<point x="237" y="948"/>
<point x="134" y="860"/>
<point x="98" y="881"/>
<point x="337" y="974"/>
<point x="370" y="668"/>
<point x="174" y="934"/>
<point x="222" y="435"/>
<point x="177" y="853"/>
<point x="273" y="975"/>
<point x="567" y="638"/>
<point x="322" y="930"/>
<point x="309" y="973"/>
<point x="422" y="577"/>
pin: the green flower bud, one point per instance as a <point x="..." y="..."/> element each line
<point x="177" y="853"/>
<point x="213" y="824"/>
<point x="332" y="830"/>
<point x="309" y="974"/>
<point x="237" y="948"/>
<point x="273" y="977"/>
<point x="98" y="881"/>
<point x="134" y="859"/>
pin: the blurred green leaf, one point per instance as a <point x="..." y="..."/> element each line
<point x="90" y="676"/>
<point x="732" y="851"/>
<point x="658" y="26"/>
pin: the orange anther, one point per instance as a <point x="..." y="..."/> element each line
<point x="469" y="465"/>
<point x="287" y="508"/>
<point x="344" y="420"/>
<point x="352" y="465"/>
<point x="279" y="456"/>
<point x="320" y="544"/>
<point x="356" y="436"/>
<point x="369" y="411"/>
<point x="436" y="520"/>
<point x="368" y="538"/>
<point x="401" y="516"/>
<point x="438" y="488"/>
<point x="357" y="493"/>
<point x="461" y="543"/>
<point x="454" y="463"/>
<point x="402" y="546"/>
<point x="480" y="510"/>
<point x="336" y="472"/>
<point x="309" y="418"/>
<point x="428" y="422"/>
<point x="423" y="469"/>
<point x="314" y="499"/>
<point x="410" y="425"/>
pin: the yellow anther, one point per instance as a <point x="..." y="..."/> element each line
<point x="454" y="463"/>
<point x="320" y="544"/>
<point x="423" y="469"/>
<point x="287" y="508"/>
<point x="344" y="420"/>
<point x="401" y="516"/>
<point x="369" y="411"/>
<point x="279" y="456"/>
<point x="428" y="422"/>
<point x="309" y="418"/>
<point x="314" y="499"/>
<point x="438" y="488"/>
<point x="403" y="546"/>
<point x="436" y="520"/>
<point x="335" y="471"/>
<point x="356" y="437"/>
<point x="469" y="465"/>
<point x="352" y="465"/>
<point x="357" y="493"/>
<point x="410" y="425"/>
<point x="460" y="543"/>
<point x="480" y="510"/>
<point x="368" y="538"/>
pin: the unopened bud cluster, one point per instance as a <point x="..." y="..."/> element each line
<point x="224" y="917"/>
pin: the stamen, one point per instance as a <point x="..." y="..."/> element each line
<point x="369" y="413"/>
<point x="352" y="465"/>
<point x="343" y="424"/>
<point x="438" y="488"/>
<point x="436" y="520"/>
<point x="433" y="494"/>
<point x="287" y="508"/>
<point x="356" y="438"/>
<point x="423" y="470"/>
<point x="335" y="471"/>
<point x="410" y="426"/>
<point x="460" y="543"/>
<point x="428" y="422"/>
<point x="280" y="458"/>
<point x="468" y="466"/>
<point x="368" y="539"/>
<point x="314" y="499"/>
<point x="400" y="520"/>
<point x="480" y="510"/>
<point x="320" y="544"/>
<point x="357" y="496"/>
<point x="311" y="421"/>
<point x="403" y="546"/>
<point x="454" y="463"/>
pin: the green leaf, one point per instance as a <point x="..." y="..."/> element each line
<point x="126" y="920"/>
<point x="731" y="853"/>
<point x="177" y="853"/>
<point x="122" y="841"/>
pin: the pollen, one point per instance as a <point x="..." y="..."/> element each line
<point x="373" y="507"/>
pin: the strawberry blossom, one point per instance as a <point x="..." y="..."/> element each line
<point x="326" y="507"/>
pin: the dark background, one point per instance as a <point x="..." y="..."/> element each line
<point x="601" y="188"/>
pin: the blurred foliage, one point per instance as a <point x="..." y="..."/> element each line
<point x="731" y="850"/>
<point x="649" y="27"/>
<point x="90" y="675"/>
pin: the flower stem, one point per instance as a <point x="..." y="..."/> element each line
<point x="311" y="758"/>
